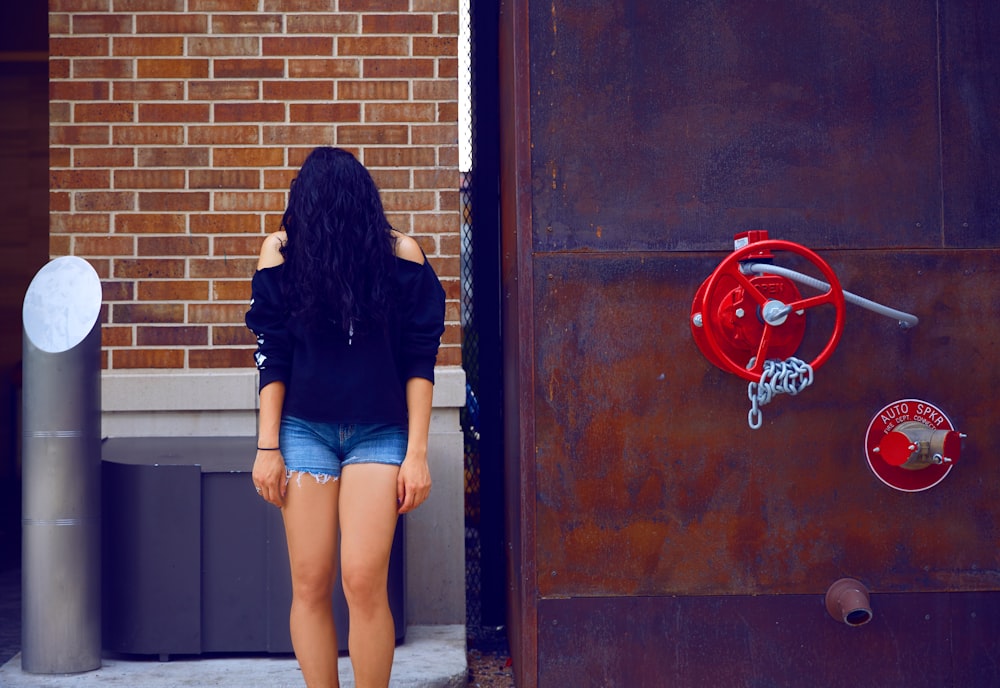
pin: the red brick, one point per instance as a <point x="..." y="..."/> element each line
<point x="148" y="90"/>
<point x="224" y="179"/>
<point x="448" y="156"/>
<point x="231" y="290"/>
<point x="256" y="23"/>
<point x="172" y="245"/>
<point x="447" y="22"/>
<point x="146" y="46"/>
<point x="222" y="5"/>
<point x="218" y="312"/>
<point x="435" y="90"/>
<point x="59" y="201"/>
<point x="153" y="135"/>
<point x="103" y="112"/>
<point x="218" y="46"/>
<point x="149" y="223"/>
<point x="60" y="113"/>
<point x="172" y="68"/>
<point x="107" y="245"/>
<point x="149" y="268"/>
<point x="332" y="23"/>
<point x="246" y="68"/>
<point x="298" y="90"/>
<point x="373" y="45"/>
<point x="186" y="23"/>
<point x="131" y="6"/>
<point x="102" y="69"/>
<point x="410" y="68"/>
<point x="248" y="245"/>
<point x="436" y="223"/>
<point x="301" y="134"/>
<point x="60" y="23"/>
<point x="249" y="112"/>
<point x="323" y="112"/>
<point x="437" y="178"/>
<point x="424" y="134"/>
<point x="79" y="90"/>
<point x="123" y="313"/>
<point x="278" y="179"/>
<point x="435" y="46"/>
<point x="248" y="157"/>
<point x="172" y="290"/>
<point x="447" y="68"/>
<point x="183" y="335"/>
<point x="179" y="201"/>
<point x="103" y="200"/>
<point x="387" y="178"/>
<point x="449" y="200"/>
<point x="449" y="356"/>
<point x="226" y="267"/>
<point x="298" y="46"/>
<point x="399" y="157"/>
<point x="173" y="112"/>
<point x="79" y="47"/>
<point x="223" y="223"/>
<point x="73" y="223"/>
<point x="116" y="336"/>
<point x="147" y="358"/>
<point x="223" y="90"/>
<point x="149" y="179"/>
<point x="400" y="112"/>
<point x="220" y="358"/>
<point x="318" y="68"/>
<point x="300" y="6"/>
<point x="406" y="23"/>
<point x="223" y="134"/>
<point x="374" y="5"/>
<point x="384" y="134"/>
<point x="103" y="157"/>
<point x="61" y="157"/>
<point x="409" y="201"/>
<point x="117" y="291"/>
<point x="232" y="335"/>
<point x="244" y="201"/>
<point x="79" y="179"/>
<point x="186" y="156"/>
<point x="87" y="135"/>
<point x="373" y="90"/>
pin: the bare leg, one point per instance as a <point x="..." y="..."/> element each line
<point x="310" y="515"/>
<point x="368" y="521"/>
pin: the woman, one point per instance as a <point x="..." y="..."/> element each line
<point x="348" y="316"/>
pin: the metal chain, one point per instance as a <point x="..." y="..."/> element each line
<point x="789" y="376"/>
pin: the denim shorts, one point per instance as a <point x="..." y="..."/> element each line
<point x="322" y="449"/>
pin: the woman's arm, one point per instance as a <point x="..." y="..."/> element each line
<point x="269" y="465"/>
<point x="413" y="484"/>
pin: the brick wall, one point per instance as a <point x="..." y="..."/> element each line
<point x="177" y="125"/>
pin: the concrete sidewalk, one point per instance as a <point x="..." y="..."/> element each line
<point x="431" y="657"/>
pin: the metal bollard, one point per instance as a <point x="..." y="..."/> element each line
<point x="61" y="470"/>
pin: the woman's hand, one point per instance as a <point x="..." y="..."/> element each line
<point x="269" y="476"/>
<point x="413" y="483"/>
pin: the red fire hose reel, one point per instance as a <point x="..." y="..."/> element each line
<point x="740" y="320"/>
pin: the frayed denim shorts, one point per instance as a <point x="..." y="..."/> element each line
<point x="323" y="449"/>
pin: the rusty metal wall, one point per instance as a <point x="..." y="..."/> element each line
<point x="639" y="137"/>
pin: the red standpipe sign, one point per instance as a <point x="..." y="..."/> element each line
<point x="887" y="420"/>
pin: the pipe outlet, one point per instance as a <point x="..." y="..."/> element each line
<point x="847" y="601"/>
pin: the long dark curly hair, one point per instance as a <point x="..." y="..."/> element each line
<point x="339" y="254"/>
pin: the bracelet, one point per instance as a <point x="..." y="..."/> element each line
<point x="268" y="448"/>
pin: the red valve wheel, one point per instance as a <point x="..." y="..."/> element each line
<point x="730" y="268"/>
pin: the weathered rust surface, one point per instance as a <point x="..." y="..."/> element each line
<point x="646" y="134"/>
<point x="650" y="482"/>
<point x="913" y="640"/>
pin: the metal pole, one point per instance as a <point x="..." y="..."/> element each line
<point x="61" y="479"/>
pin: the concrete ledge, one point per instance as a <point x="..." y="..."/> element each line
<point x="431" y="657"/>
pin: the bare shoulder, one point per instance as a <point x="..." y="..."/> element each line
<point x="270" y="250"/>
<point x="407" y="248"/>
